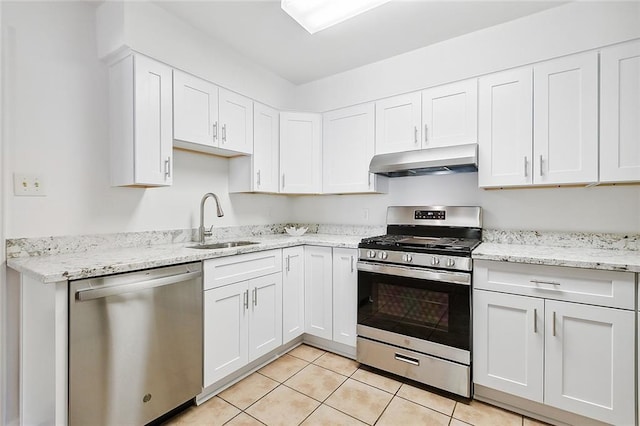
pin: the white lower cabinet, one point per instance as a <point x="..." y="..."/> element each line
<point x="318" y="318"/>
<point x="265" y="314"/>
<point x="345" y="295"/>
<point x="572" y="356"/>
<point x="292" y="293"/>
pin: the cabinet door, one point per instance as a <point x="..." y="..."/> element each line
<point x="590" y="361"/>
<point x="348" y="146"/>
<point x="195" y="109"/>
<point x="345" y="295"/>
<point x="226" y="317"/>
<point x="620" y="113"/>
<point x="508" y="343"/>
<point x="317" y="291"/>
<point x="450" y="114"/>
<point x="265" y="148"/>
<point x="398" y="123"/>
<point x="236" y="122"/>
<point x="505" y="128"/>
<point x="292" y="293"/>
<point x="565" y="144"/>
<point x="300" y="153"/>
<point x="265" y="319"/>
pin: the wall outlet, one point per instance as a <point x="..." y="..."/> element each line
<point x="28" y="185"/>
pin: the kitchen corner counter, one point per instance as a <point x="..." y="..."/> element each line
<point x="610" y="259"/>
<point x="97" y="262"/>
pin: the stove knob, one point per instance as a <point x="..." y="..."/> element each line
<point x="371" y="254"/>
<point x="450" y="262"/>
<point x="435" y="261"/>
<point x="383" y="255"/>
<point x="407" y="258"/>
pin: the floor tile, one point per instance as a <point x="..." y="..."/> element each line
<point x="316" y="382"/>
<point x="532" y="422"/>
<point x="211" y="413"/>
<point x="248" y="390"/>
<point x="308" y="353"/>
<point x="283" y="406"/>
<point x="403" y="412"/>
<point x="325" y="415"/>
<point x="361" y="401"/>
<point x="283" y="368"/>
<point x="387" y="384"/>
<point x="480" y="414"/>
<point x="456" y="422"/>
<point x="244" y="419"/>
<point x="337" y="363"/>
<point x="426" y="398"/>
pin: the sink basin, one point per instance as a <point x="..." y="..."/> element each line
<point x="230" y="244"/>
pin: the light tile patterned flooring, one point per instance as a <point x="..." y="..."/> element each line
<point x="309" y="386"/>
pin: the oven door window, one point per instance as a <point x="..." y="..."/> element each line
<point x="429" y="310"/>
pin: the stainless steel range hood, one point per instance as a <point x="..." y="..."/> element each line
<point x="441" y="160"/>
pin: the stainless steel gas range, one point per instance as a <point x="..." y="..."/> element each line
<point x="414" y="295"/>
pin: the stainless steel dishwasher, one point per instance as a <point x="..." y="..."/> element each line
<point x="135" y="345"/>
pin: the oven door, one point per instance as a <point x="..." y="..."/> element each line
<point x="425" y="304"/>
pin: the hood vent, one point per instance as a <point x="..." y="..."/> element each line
<point x="430" y="161"/>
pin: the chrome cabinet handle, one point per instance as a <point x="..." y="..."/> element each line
<point x="288" y="263"/>
<point x="255" y="296"/>
<point x="525" y="166"/>
<point x="540" y="164"/>
<point x="553" y="319"/>
<point x="369" y="179"/>
<point x="535" y="320"/>
<point x="426" y="133"/>
<point x="258" y="178"/>
<point x="246" y="299"/>
<point x="407" y="359"/>
<point x="167" y="167"/>
<point x="543" y="282"/>
<point x="415" y="134"/>
<point x="224" y="133"/>
<point x="283" y="181"/>
<point x="215" y="131"/>
<point x="351" y="264"/>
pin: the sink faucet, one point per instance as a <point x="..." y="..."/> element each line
<point x="201" y="230"/>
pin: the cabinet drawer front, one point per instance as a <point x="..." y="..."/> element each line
<point x="603" y="288"/>
<point x="231" y="269"/>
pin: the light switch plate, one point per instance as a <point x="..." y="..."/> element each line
<point x="29" y="185"/>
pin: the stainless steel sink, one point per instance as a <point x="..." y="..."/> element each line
<point x="230" y="244"/>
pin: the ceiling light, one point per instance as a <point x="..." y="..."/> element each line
<point x="316" y="15"/>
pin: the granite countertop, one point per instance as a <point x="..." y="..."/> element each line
<point x="98" y="262"/>
<point x="580" y="250"/>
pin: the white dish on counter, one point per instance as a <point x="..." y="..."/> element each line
<point x="296" y="232"/>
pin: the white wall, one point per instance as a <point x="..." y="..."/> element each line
<point x="59" y="128"/>
<point x="555" y="32"/>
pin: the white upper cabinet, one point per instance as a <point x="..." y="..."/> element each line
<point x="236" y="122"/>
<point x="300" y="153"/>
<point x="260" y="171"/>
<point x="505" y="135"/>
<point x="620" y="113"/>
<point x="210" y="119"/>
<point x="565" y="147"/>
<point x="348" y="140"/>
<point x="195" y="104"/>
<point x="140" y="122"/>
<point x="398" y="123"/>
<point x="450" y="114"/>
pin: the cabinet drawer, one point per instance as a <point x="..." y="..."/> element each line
<point x="603" y="288"/>
<point x="231" y="269"/>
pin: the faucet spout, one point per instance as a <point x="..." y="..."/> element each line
<point x="202" y="232"/>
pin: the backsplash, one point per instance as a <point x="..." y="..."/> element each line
<point x="563" y="239"/>
<point x="26" y="247"/>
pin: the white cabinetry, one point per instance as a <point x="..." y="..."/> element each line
<point x="348" y="143"/>
<point x="140" y="122"/>
<point x="620" y="113"/>
<point x="547" y="343"/>
<point x="565" y="129"/>
<point x="345" y="295"/>
<point x="242" y="311"/>
<point x="318" y="291"/>
<point x="260" y="171"/>
<point x="398" y="123"/>
<point x="505" y="133"/>
<point x="300" y="153"/>
<point x="292" y="293"/>
<point x="450" y="114"/>
<point x="210" y="119"/>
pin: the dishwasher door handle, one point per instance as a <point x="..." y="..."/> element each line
<point x="98" y="293"/>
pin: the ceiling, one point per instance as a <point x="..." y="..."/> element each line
<point x="261" y="31"/>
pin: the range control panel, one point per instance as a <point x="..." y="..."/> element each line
<point x="430" y="214"/>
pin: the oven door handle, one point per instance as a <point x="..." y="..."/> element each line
<point x="463" y="278"/>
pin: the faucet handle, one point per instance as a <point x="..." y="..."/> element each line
<point x="208" y="232"/>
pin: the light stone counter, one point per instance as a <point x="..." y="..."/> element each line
<point x="612" y="252"/>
